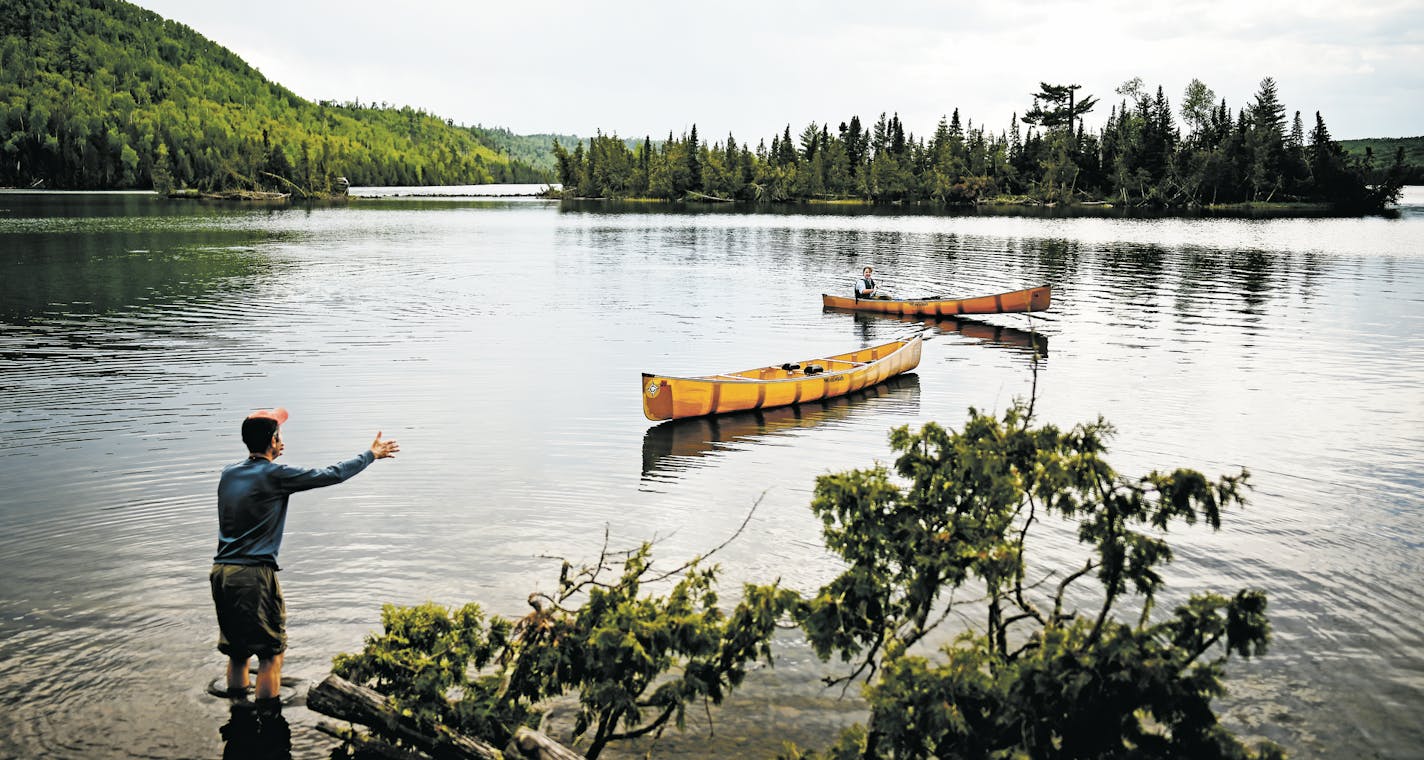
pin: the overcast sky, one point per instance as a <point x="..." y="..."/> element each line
<point x="639" y="68"/>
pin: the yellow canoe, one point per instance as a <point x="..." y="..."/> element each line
<point x="672" y="445"/>
<point x="1032" y="299"/>
<point x="667" y="398"/>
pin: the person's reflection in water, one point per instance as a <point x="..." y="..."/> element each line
<point x="863" y="327"/>
<point x="256" y="731"/>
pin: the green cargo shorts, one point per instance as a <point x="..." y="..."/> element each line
<point x="252" y="616"/>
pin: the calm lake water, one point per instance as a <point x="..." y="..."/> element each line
<point x="501" y="341"/>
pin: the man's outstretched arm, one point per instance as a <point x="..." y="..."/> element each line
<point x="293" y="479"/>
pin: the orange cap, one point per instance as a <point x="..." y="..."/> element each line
<point x="279" y="414"/>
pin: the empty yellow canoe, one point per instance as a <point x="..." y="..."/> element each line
<point x="1032" y="299"/>
<point x="666" y="398"/>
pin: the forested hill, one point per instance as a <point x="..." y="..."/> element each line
<point x="104" y="94"/>
<point x="1384" y="150"/>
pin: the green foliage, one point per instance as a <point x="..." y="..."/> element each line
<point x="1032" y="678"/>
<point x="91" y="91"/>
<point x="424" y="660"/>
<point x="635" y="658"/>
<point x="637" y="661"/>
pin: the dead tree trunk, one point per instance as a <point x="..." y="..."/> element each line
<point x="342" y="699"/>
<point x="352" y="702"/>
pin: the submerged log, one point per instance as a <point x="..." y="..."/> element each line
<point x="695" y="196"/>
<point x="352" y="702"/>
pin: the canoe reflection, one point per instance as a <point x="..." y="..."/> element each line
<point x="992" y="334"/>
<point x="668" y="445"/>
<point x="1009" y="337"/>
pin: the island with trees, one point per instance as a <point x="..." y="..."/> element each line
<point x="1141" y="156"/>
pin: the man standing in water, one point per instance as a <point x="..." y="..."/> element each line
<point x="252" y="512"/>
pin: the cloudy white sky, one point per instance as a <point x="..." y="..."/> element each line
<point x="639" y="67"/>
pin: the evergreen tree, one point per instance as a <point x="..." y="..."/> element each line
<point x="787" y="156"/>
<point x="1266" y="142"/>
<point x="897" y="136"/>
<point x="810" y="141"/>
<point x="1054" y="107"/>
<point x="880" y="136"/>
<point x="857" y="144"/>
<point x="694" y="163"/>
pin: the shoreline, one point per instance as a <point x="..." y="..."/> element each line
<point x="1005" y="204"/>
<point x="1010" y="205"/>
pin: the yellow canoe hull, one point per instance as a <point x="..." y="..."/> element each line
<point x="668" y="398"/>
<point x="1032" y="299"/>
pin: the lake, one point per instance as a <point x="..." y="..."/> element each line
<point x="500" y="341"/>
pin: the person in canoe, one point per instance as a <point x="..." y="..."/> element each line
<point x="865" y="287"/>
<point x="252" y="512"/>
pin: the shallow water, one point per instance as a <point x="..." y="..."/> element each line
<point x="500" y="341"/>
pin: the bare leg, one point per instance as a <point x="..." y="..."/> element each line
<point x="237" y="674"/>
<point x="269" y="677"/>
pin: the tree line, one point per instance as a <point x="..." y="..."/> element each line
<point x="1142" y="156"/>
<point x="100" y="94"/>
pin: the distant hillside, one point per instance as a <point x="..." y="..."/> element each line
<point x="1384" y="150"/>
<point x="534" y="150"/>
<point x="102" y="94"/>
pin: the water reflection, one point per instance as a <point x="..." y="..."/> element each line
<point x="256" y="733"/>
<point x="673" y="446"/>
<point x="49" y="276"/>
<point x="988" y="333"/>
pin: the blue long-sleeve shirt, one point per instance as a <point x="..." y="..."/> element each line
<point x="252" y="504"/>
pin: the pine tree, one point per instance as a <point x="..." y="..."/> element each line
<point x="1054" y="107"/>
<point x="694" y="161"/>
<point x="788" y="148"/>
<point x="1266" y="142"/>
<point x="856" y="143"/>
<point x="810" y="141"/>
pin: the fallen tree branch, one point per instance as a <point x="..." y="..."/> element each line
<point x="353" y="702"/>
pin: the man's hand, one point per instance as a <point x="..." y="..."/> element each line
<point x="384" y="449"/>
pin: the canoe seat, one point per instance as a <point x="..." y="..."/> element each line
<point x="814" y="369"/>
<point x="791" y="366"/>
